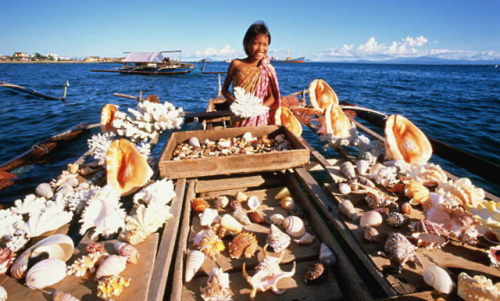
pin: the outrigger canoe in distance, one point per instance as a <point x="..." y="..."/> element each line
<point x="152" y="63"/>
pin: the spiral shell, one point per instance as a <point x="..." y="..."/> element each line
<point x="194" y="142"/>
<point x="277" y="239"/>
<point x="326" y="255"/>
<point x="348" y="170"/>
<point x="395" y="219"/>
<point x="277" y="219"/>
<point x="438" y="279"/>
<point x="62" y="296"/>
<point x="93" y="247"/>
<point x="199" y="205"/>
<point x="44" y="190"/>
<point x="45" y="273"/>
<point x="362" y="166"/>
<point x="127" y="251"/>
<point x="231" y="224"/>
<point x="287" y="203"/>
<point x="243" y="244"/>
<point x="294" y="226"/>
<point x="113" y="265"/>
<point x="370" y="218"/>
<point x="347" y="208"/>
<point x="194" y="261"/>
<point x="241" y="216"/>
<point x="222" y="202"/>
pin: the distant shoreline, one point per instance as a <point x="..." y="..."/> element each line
<point x="60" y="62"/>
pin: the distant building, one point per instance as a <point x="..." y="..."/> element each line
<point x="54" y="56"/>
<point x="92" y="59"/>
<point x="21" y="56"/>
<point x="107" y="59"/>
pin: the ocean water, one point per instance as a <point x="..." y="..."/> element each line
<point x="458" y="105"/>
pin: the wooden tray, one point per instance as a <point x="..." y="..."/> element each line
<point x="298" y="156"/>
<point x="303" y="255"/>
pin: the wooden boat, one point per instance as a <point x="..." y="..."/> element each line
<point x="288" y="59"/>
<point x="153" y="63"/>
<point x="35" y="92"/>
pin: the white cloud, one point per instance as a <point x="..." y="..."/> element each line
<point x="225" y="52"/>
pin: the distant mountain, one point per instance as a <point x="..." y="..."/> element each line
<point x="425" y="60"/>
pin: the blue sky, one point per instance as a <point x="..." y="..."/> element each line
<point x="319" y="30"/>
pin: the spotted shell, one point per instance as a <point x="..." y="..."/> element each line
<point x="199" y="205"/>
<point x="231" y="224"/>
<point x="127" y="251"/>
<point x="438" y="279"/>
<point x="277" y="219"/>
<point x="395" y="219"/>
<point x="109" y="287"/>
<point x="294" y="226"/>
<point x="113" y="265"/>
<point x="315" y="273"/>
<point x="326" y="255"/>
<point x="370" y="218"/>
<point x="477" y="288"/>
<point x="211" y="244"/>
<point x="244" y="243"/>
<point x="93" y="247"/>
<point x="277" y="239"/>
<point x="287" y="203"/>
<point x="194" y="261"/>
<point x="45" y="273"/>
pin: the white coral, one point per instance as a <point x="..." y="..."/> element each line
<point x="99" y="145"/>
<point x="84" y="193"/>
<point x="30" y="205"/>
<point x="161" y="192"/>
<point x="247" y="105"/>
<point x="9" y="223"/>
<point x="148" y="219"/>
<point x="51" y="218"/>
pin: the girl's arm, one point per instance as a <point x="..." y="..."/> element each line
<point x="227" y="82"/>
<point x="269" y="100"/>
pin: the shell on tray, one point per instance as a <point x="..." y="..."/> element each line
<point x="194" y="142"/>
<point x="419" y="194"/>
<point x="94" y="247"/>
<point x="362" y="166"/>
<point x="282" y="193"/>
<point x="285" y="117"/>
<point x="199" y="205"/>
<point x="109" y="287"/>
<point x="208" y="217"/>
<point x="347" y="208"/>
<point x="398" y="248"/>
<point x="128" y="251"/>
<point x="241" y="216"/>
<point x="256" y="217"/>
<point x="315" y="273"/>
<point x="429" y="234"/>
<point x="277" y="239"/>
<point x="3" y="294"/>
<point x="253" y="202"/>
<point x="134" y="237"/>
<point x="370" y="218"/>
<point x="287" y="203"/>
<point x="347" y="169"/>
<point x="241" y="196"/>
<point x="245" y="244"/>
<point x="494" y="256"/>
<point x="113" y="265"/>
<point x="294" y="226"/>
<point x="45" y="273"/>
<point x="322" y="95"/>
<point x="159" y="192"/>
<point x="277" y="219"/>
<point x="44" y="190"/>
<point x="211" y="244"/>
<point x="222" y="202"/>
<point x="478" y="287"/>
<point x="371" y="234"/>
<point x="438" y="279"/>
<point x="231" y="224"/>
<point x="58" y="295"/>
<point x="194" y="261"/>
<point x="85" y="264"/>
<point x="217" y="286"/>
<point x="6" y="259"/>
<point x="395" y="219"/>
<point x="406" y="208"/>
<point x="326" y="255"/>
<point x="306" y="239"/>
<point x="344" y="188"/>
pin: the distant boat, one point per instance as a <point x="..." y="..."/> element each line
<point x="288" y="59"/>
<point x="152" y="63"/>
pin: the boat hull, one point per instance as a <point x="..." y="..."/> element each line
<point x="296" y="60"/>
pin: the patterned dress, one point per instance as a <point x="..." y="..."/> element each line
<point x="256" y="80"/>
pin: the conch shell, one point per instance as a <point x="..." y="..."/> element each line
<point x="438" y="279"/>
<point x="217" y="286"/>
<point x="126" y="168"/>
<point x="194" y="261"/>
<point x="107" y="117"/>
<point x="284" y="116"/>
<point x="404" y="141"/>
<point x="398" y="248"/>
<point x="477" y="288"/>
<point x="277" y="239"/>
<point x="336" y="123"/>
<point x="322" y="95"/>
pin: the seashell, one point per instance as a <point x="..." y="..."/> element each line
<point x="160" y="192"/>
<point x="287" y="203"/>
<point x="224" y="142"/>
<point x="109" y="287"/>
<point x="438" y="279"/>
<point x="294" y="226"/>
<point x="3" y="294"/>
<point x="335" y="123"/>
<point x="243" y="244"/>
<point x="208" y="217"/>
<point x="404" y="141"/>
<point x="488" y="211"/>
<point x="285" y="117"/>
<point x="268" y="274"/>
<point x="17" y="240"/>
<point x="282" y="193"/>
<point x="231" y="224"/>
<point x="127" y="251"/>
<point x="344" y="188"/>
<point x="247" y="137"/>
<point x="107" y="116"/>
<point x="253" y="203"/>
<point x="85" y="264"/>
<point x="138" y="172"/>
<point x="406" y="208"/>
<point x="306" y="239"/>
<point x="398" y="248"/>
<point x="58" y="295"/>
<point x="194" y="261"/>
<point x="371" y="234"/>
<point x="211" y="244"/>
<point x="362" y="166"/>
<point x="241" y="216"/>
<point x="194" y="142"/>
<point x="419" y="194"/>
<point x="219" y="230"/>
<point x="256" y="217"/>
<point x="222" y="202"/>
<point x="377" y="199"/>
<point x="395" y="219"/>
<point x="44" y="190"/>
<point x="134" y="237"/>
<point x="217" y="286"/>
<point x="277" y="239"/>
<point x="6" y="259"/>
<point x="347" y="170"/>
<point x="494" y="256"/>
<point x="347" y="208"/>
<point x="45" y="273"/>
<point x="326" y="255"/>
<point x="370" y="218"/>
<point x="477" y="288"/>
<point x="277" y="219"/>
<point x="93" y="247"/>
<point x="241" y="196"/>
<point x="199" y="205"/>
<point x="50" y="218"/>
<point x="462" y="225"/>
<point x="429" y="234"/>
<point x="463" y="193"/>
<point x="322" y="95"/>
<point x="316" y="273"/>
<point x="113" y="265"/>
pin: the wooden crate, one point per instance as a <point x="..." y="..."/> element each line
<point x="262" y="162"/>
<point x="342" y="283"/>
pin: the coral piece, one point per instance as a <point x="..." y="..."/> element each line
<point x="148" y="219"/>
<point x="93" y="247"/>
<point x="322" y="95"/>
<point x="438" y="279"/>
<point x="217" y="288"/>
<point x="50" y="218"/>
<point x="316" y="273"/>
<point x="277" y="239"/>
<point x="127" y="251"/>
<point x="398" y="248"/>
<point x="243" y="244"/>
<point x="31" y="205"/>
<point x="326" y="255"/>
<point x="17" y="241"/>
<point x="45" y="273"/>
<point x="160" y="192"/>
<point x="386" y="176"/>
<point x="247" y="105"/>
<point x="9" y="223"/>
<point x="268" y="274"/>
<point x="194" y="261"/>
<point x="477" y="288"/>
<point x="126" y="169"/>
<point x="85" y="264"/>
<point x="284" y="116"/>
<point x="404" y="141"/>
<point x="109" y="287"/>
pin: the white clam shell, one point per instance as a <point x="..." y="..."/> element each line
<point x="208" y="217"/>
<point x="253" y="203"/>
<point x="45" y="273"/>
<point x="438" y="279"/>
<point x="370" y="218"/>
<point x="112" y="266"/>
<point x="247" y="137"/>
<point x="294" y="226"/>
<point x="362" y="166"/>
<point x="44" y="190"/>
<point x="194" y="261"/>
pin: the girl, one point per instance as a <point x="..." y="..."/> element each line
<point x="255" y="74"/>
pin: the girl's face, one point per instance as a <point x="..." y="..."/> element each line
<point x="258" y="47"/>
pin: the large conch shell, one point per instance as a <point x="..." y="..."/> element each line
<point x="127" y="170"/>
<point x="477" y="288"/>
<point x="438" y="279"/>
<point x="335" y="123"/>
<point x="404" y="141"/>
<point x="322" y="95"/>
<point x="45" y="273"/>
<point x="284" y="116"/>
<point x="107" y="116"/>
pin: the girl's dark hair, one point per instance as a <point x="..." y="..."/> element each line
<point x="255" y="29"/>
